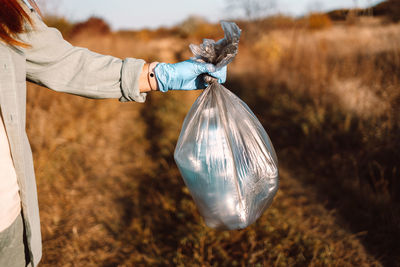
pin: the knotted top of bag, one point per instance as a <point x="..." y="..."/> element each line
<point x="222" y="52"/>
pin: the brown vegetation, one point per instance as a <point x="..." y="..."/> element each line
<point x="93" y="26"/>
<point x="390" y="9"/>
<point x="111" y="195"/>
<point x="319" y="21"/>
<point x="61" y="23"/>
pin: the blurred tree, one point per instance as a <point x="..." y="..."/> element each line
<point x="59" y="22"/>
<point x="199" y="28"/>
<point x="189" y="25"/>
<point x="318" y="21"/>
<point x="389" y="9"/>
<point x="93" y="26"/>
<point x="251" y="9"/>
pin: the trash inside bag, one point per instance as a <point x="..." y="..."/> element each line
<point x="223" y="153"/>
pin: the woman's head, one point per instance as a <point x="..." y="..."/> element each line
<point x="13" y="20"/>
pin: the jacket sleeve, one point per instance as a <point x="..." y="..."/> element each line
<point x="56" y="64"/>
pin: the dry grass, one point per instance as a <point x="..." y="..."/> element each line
<point x="111" y="195"/>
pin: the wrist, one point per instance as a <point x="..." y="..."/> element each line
<point x="151" y="76"/>
<point x="147" y="79"/>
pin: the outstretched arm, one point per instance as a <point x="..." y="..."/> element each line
<point x="54" y="63"/>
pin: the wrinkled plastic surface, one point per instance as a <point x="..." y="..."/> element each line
<point x="219" y="53"/>
<point x="223" y="153"/>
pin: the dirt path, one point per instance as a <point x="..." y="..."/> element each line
<point x="110" y="195"/>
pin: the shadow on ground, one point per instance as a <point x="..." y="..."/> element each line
<point x="324" y="160"/>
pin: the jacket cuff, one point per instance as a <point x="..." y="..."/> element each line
<point x="130" y="73"/>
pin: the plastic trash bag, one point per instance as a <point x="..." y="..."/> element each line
<point x="223" y="153"/>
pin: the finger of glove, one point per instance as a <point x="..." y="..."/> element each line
<point x="200" y="68"/>
<point x="188" y="75"/>
<point x="219" y="74"/>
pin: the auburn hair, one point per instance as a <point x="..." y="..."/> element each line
<point x="13" y="21"/>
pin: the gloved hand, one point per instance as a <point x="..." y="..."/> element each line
<point x="186" y="75"/>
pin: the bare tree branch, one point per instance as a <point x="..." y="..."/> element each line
<point x="251" y="9"/>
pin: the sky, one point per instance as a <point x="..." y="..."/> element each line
<point x="135" y="14"/>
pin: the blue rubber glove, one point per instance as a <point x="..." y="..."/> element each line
<point x="186" y="75"/>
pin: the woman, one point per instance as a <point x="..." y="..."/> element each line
<point x="31" y="50"/>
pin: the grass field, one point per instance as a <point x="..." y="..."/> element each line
<point x="111" y="195"/>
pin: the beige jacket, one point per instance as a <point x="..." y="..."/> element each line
<point x="56" y="64"/>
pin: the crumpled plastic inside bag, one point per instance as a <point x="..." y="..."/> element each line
<point x="223" y="153"/>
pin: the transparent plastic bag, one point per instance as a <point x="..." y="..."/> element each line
<point x="223" y="153"/>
